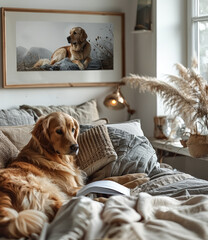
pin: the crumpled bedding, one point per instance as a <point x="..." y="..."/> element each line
<point x="121" y="217"/>
<point x="135" y="155"/>
<point x="169" y="206"/>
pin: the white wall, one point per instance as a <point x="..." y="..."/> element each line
<point x="145" y="64"/>
<point x="151" y="54"/>
<point x="48" y="96"/>
<point x="171" y="39"/>
<point x="157" y="51"/>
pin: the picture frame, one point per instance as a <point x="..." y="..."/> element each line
<point x="30" y="35"/>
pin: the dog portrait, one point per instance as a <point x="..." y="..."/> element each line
<point x="78" y="50"/>
<point x="64" y="46"/>
<point x="87" y="48"/>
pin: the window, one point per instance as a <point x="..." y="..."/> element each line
<point x="198" y="36"/>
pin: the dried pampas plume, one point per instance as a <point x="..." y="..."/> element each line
<point x="185" y="94"/>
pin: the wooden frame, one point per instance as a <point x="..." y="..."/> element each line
<point x="24" y="30"/>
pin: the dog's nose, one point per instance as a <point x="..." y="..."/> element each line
<point x="69" y="39"/>
<point x="74" y="148"/>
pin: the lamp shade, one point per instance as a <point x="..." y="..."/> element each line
<point x="115" y="100"/>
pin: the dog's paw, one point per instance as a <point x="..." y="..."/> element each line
<point x="100" y="199"/>
<point x="81" y="66"/>
<point x="85" y="65"/>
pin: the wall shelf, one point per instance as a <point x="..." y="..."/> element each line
<point x="174" y="147"/>
<point x="141" y="31"/>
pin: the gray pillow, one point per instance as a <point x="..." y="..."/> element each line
<point x="84" y="113"/>
<point x="135" y="154"/>
<point x="14" y="117"/>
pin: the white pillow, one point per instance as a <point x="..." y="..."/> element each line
<point x="132" y="127"/>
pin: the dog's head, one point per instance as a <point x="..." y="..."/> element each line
<point x="77" y="36"/>
<point x="57" y="133"/>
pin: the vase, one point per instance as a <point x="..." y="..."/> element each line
<point x="173" y="128"/>
<point x="198" y="145"/>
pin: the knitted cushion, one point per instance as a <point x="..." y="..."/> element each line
<point x="8" y="150"/>
<point x="96" y="149"/>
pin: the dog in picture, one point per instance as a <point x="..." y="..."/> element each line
<point x="78" y="51"/>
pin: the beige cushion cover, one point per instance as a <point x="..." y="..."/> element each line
<point x="18" y="135"/>
<point x="84" y="113"/>
<point x="96" y="149"/>
<point x="8" y="150"/>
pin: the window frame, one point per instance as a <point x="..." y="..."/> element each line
<point x="192" y="7"/>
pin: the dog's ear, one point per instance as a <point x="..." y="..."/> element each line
<point x="41" y="132"/>
<point x="76" y="124"/>
<point x="83" y="35"/>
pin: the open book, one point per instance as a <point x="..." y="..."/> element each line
<point x="106" y="187"/>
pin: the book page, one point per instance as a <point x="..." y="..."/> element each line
<point x="104" y="187"/>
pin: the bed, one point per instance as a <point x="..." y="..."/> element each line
<point x="171" y="205"/>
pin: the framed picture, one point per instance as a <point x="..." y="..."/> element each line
<point x="49" y="48"/>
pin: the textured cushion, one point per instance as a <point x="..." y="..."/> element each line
<point x="8" y="150"/>
<point x="96" y="149"/>
<point x="13" y="117"/>
<point x="84" y="113"/>
<point x="134" y="155"/>
<point x="132" y="127"/>
<point x="18" y="135"/>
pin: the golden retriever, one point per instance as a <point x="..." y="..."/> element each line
<point x="41" y="178"/>
<point x="78" y="51"/>
<point x="44" y="176"/>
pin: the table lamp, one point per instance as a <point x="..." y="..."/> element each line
<point x="116" y="101"/>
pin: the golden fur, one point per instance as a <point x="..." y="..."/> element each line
<point x="78" y="50"/>
<point x="41" y="178"/>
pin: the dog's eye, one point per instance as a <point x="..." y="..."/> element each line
<point x="73" y="129"/>
<point x="59" y="131"/>
<point x="75" y="32"/>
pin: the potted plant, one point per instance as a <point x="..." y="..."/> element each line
<point x="186" y="96"/>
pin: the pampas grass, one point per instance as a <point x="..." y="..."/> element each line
<point x="185" y="94"/>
